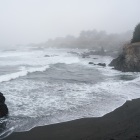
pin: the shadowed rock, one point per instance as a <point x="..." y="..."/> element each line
<point x="3" y="106"/>
<point x="101" y="64"/>
<point x="2" y="98"/>
<point x="90" y="63"/>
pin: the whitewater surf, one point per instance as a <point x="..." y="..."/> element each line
<point x="54" y="85"/>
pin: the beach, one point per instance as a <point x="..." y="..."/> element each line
<point x="121" y="124"/>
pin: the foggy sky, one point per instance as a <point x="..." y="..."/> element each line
<point x="33" y="21"/>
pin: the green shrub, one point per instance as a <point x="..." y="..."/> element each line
<point x="136" y="34"/>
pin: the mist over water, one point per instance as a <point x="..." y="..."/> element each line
<point x="36" y="21"/>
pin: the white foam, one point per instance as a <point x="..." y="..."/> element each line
<point x="48" y="96"/>
<point x="36" y="58"/>
<point x="6" y="133"/>
<point x="12" y="76"/>
<point x="64" y="101"/>
<point x="28" y="62"/>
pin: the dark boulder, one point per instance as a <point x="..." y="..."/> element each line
<point x="101" y="64"/>
<point x="90" y="63"/>
<point x="47" y="55"/>
<point x="3" y="110"/>
<point x="2" y="98"/>
<point x="3" y="106"/>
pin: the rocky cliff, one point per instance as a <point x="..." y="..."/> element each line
<point x="129" y="60"/>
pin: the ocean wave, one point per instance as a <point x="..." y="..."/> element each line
<point x="6" y="133"/>
<point x="12" y="76"/>
<point x="59" y="102"/>
<point x="29" y="62"/>
<point x="63" y="101"/>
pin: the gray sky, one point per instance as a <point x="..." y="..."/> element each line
<point x="27" y="21"/>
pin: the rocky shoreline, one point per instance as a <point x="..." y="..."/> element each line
<point x="129" y="59"/>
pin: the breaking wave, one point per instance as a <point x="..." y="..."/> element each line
<point x="12" y="76"/>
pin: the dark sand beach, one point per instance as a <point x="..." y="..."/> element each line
<point x="121" y="124"/>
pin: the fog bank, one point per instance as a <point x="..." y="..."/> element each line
<point x="34" y="21"/>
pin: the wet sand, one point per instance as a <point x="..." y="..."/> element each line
<point x="121" y="124"/>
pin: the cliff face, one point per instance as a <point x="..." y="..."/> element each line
<point x="129" y="60"/>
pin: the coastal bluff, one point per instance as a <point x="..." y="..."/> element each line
<point x="129" y="59"/>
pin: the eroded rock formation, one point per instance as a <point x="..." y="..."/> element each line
<point x="129" y="60"/>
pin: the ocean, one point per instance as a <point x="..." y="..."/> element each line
<point x="48" y="86"/>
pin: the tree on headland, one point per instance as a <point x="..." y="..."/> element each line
<point x="136" y="34"/>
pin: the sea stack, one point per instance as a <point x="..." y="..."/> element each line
<point x="129" y="59"/>
<point x="3" y="106"/>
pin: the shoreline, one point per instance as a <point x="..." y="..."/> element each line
<point x="121" y="124"/>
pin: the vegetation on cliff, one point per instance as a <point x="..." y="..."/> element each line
<point x="136" y="34"/>
<point x="129" y="60"/>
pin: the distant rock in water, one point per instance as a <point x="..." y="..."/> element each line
<point x="47" y="56"/>
<point x="75" y="53"/>
<point x="129" y="60"/>
<point x="3" y="106"/>
<point x="101" y="64"/>
<point x="90" y="63"/>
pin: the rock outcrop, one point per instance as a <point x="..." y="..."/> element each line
<point x="91" y="63"/>
<point x="3" y="106"/>
<point x="129" y="59"/>
<point x="101" y="64"/>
